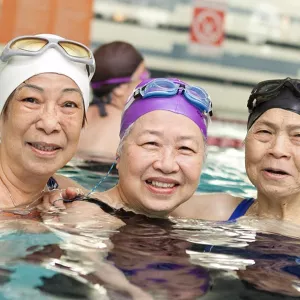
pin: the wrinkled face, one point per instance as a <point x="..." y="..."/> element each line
<point x="161" y="162"/>
<point x="272" y="149"/>
<point x="41" y="127"/>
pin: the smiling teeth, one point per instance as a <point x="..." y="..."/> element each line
<point x="162" y="184"/>
<point x="44" y="148"/>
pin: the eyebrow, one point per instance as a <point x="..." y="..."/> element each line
<point x="274" y="125"/>
<point x="153" y="132"/>
<point x="31" y="86"/>
<point x="70" y="90"/>
<point x="40" y="89"/>
<point x="180" y="138"/>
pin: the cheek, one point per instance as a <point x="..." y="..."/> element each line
<point x="192" y="167"/>
<point x="254" y="151"/>
<point x="73" y="127"/>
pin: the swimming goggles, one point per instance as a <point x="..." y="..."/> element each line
<point x="34" y="45"/>
<point x="96" y="85"/>
<point x="161" y="87"/>
<point x="269" y="89"/>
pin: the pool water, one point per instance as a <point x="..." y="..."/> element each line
<point x="150" y="258"/>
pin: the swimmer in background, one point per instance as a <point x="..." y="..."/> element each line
<point x="119" y="68"/>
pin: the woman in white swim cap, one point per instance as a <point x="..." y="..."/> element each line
<point x="44" y="84"/>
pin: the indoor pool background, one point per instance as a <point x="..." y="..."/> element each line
<point x="151" y="258"/>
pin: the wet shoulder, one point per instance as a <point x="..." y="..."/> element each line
<point x="212" y="206"/>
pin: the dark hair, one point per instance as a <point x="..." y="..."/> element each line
<point x="114" y="60"/>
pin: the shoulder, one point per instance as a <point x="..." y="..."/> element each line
<point x="212" y="206"/>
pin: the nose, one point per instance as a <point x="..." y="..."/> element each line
<point x="48" y="120"/>
<point x="280" y="147"/>
<point x="166" y="162"/>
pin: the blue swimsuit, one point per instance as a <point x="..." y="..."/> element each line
<point x="241" y="209"/>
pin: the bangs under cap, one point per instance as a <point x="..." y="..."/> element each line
<point x="20" y="68"/>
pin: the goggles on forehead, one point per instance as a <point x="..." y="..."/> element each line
<point x="34" y="45"/>
<point x="269" y="89"/>
<point x="96" y="85"/>
<point x="161" y="87"/>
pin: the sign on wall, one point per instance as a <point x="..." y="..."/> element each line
<point x="70" y="19"/>
<point x="208" y="26"/>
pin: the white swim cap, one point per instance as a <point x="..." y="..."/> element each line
<point x="20" y="68"/>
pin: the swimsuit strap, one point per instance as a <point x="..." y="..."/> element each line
<point x="242" y="208"/>
<point x="101" y="102"/>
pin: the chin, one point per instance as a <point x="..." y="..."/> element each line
<point x="160" y="210"/>
<point x="43" y="169"/>
<point x="277" y="193"/>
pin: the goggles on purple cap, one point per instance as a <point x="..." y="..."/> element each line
<point x="96" y="85"/>
<point x="171" y="95"/>
<point x="161" y="87"/>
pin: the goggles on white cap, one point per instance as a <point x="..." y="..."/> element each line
<point x="35" y="45"/>
<point x="27" y="56"/>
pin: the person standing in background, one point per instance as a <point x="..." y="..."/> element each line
<point x="120" y="67"/>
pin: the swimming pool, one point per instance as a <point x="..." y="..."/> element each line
<point x="151" y="258"/>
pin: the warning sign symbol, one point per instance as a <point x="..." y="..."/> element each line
<point x="207" y="26"/>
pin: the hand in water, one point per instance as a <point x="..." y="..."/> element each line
<point x="65" y="207"/>
<point x="59" y="199"/>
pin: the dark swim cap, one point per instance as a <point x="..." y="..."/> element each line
<point x="114" y="60"/>
<point x="282" y="93"/>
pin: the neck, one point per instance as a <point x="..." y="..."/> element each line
<point x="120" y="201"/>
<point x="18" y="187"/>
<point x="282" y="208"/>
<point x="114" y="105"/>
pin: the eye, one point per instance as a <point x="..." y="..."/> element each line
<point x="70" y="104"/>
<point x="30" y="100"/>
<point x="150" y="145"/>
<point x="187" y="149"/>
<point x="264" y="132"/>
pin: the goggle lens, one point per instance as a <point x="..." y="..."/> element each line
<point x="160" y="86"/>
<point x="75" y="50"/>
<point x="197" y="94"/>
<point x="29" y="44"/>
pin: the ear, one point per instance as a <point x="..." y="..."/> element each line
<point x="120" y="90"/>
<point x="117" y="161"/>
<point x="1" y="124"/>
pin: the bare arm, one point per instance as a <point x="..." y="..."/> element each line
<point x="214" y="206"/>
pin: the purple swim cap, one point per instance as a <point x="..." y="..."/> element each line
<point x="177" y="104"/>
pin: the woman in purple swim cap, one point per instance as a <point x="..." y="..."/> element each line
<point x="162" y="148"/>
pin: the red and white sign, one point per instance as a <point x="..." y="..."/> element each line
<point x="207" y="27"/>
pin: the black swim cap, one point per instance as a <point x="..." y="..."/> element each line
<point x="280" y="93"/>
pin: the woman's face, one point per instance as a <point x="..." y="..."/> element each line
<point x="42" y="124"/>
<point x="160" y="163"/>
<point x="273" y="153"/>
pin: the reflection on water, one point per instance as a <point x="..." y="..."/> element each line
<point x="148" y="258"/>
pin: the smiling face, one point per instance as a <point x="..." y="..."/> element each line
<point x="272" y="150"/>
<point x="42" y="124"/>
<point x="160" y="163"/>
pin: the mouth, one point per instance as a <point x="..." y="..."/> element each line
<point x="160" y="184"/>
<point x="276" y="172"/>
<point x="44" y="147"/>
